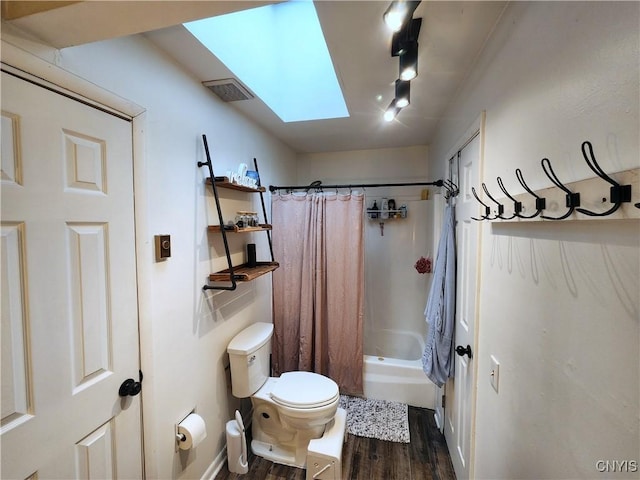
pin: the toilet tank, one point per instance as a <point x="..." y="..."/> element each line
<point x="249" y="353"/>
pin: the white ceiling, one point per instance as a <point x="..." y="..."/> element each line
<point x="452" y="35"/>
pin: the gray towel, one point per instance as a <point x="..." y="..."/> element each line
<point x="437" y="359"/>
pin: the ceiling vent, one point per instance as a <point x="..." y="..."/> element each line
<point x="229" y="89"/>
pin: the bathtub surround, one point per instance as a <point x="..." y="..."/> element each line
<point x="438" y="356"/>
<point x="398" y="376"/>
<point x="318" y="290"/>
<point x="379" y="419"/>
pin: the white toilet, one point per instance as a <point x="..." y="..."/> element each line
<point x="288" y="411"/>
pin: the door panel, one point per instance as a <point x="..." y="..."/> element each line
<point x="69" y="303"/>
<point x="459" y="390"/>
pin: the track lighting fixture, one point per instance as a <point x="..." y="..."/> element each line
<point x="403" y="91"/>
<point x="392" y="111"/>
<point x="407" y="35"/>
<point x="409" y="62"/>
<point x="404" y="44"/>
<point x="398" y="13"/>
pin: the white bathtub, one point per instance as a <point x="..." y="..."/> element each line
<point x="393" y="369"/>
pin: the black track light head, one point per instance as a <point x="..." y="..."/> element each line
<point x="409" y="62"/>
<point x="405" y="37"/>
<point x="391" y="111"/>
<point x="403" y="93"/>
<point x="398" y="13"/>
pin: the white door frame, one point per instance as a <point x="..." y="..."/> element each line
<point x="477" y="128"/>
<point x="16" y="56"/>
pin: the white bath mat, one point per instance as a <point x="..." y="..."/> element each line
<point x="381" y="419"/>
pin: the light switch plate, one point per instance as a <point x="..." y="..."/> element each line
<point x="163" y="247"/>
<point x="495" y="373"/>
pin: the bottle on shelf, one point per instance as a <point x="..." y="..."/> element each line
<point x="403" y="211"/>
<point x="392" y="208"/>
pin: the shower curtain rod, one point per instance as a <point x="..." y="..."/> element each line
<point x="317" y="185"/>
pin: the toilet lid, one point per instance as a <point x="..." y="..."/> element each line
<point x="304" y="390"/>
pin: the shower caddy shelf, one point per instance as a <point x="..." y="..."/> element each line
<point x="397" y="214"/>
<point x="237" y="273"/>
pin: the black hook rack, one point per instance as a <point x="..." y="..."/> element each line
<point x="517" y="206"/>
<point x="451" y="189"/>
<point x="500" y="206"/>
<point x="487" y="209"/>
<point x="618" y="193"/>
<point x="541" y="202"/>
<point x="572" y="199"/>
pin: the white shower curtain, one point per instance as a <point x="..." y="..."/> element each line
<point x="318" y="291"/>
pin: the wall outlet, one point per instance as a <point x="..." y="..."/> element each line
<point x="494" y="373"/>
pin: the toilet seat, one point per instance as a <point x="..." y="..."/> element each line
<point x="304" y="390"/>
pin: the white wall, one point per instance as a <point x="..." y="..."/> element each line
<point x="383" y="165"/>
<point x="184" y="332"/>
<point x="559" y="303"/>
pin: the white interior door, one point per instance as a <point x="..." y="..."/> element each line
<point x="69" y="304"/>
<point x="459" y="390"/>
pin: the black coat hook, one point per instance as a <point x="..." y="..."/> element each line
<point x="573" y="199"/>
<point x="487" y="209"/>
<point x="517" y="206"/>
<point x="541" y="203"/>
<point x="451" y="188"/>
<point x="500" y="206"/>
<point x="619" y="193"/>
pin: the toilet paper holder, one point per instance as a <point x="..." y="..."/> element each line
<point x="182" y="437"/>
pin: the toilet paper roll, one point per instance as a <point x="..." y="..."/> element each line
<point x="193" y="430"/>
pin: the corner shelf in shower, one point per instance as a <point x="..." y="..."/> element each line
<point x="227" y="279"/>
<point x="397" y="214"/>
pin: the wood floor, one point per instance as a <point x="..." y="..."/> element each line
<point x="425" y="458"/>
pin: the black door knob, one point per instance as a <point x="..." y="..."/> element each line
<point x="462" y="351"/>
<point x="129" y="388"/>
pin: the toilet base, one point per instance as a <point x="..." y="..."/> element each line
<point x="324" y="454"/>
<point x="323" y="459"/>
<point x="275" y="453"/>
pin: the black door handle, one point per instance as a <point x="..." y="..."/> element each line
<point x="462" y="351"/>
<point x="130" y="388"/>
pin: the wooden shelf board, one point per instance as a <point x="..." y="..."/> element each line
<point x="263" y="227"/>
<point x="243" y="273"/>
<point x="224" y="182"/>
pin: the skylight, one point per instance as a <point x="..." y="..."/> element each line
<point x="279" y="52"/>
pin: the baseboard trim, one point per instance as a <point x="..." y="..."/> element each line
<point x="215" y="467"/>
<point x="217" y="464"/>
